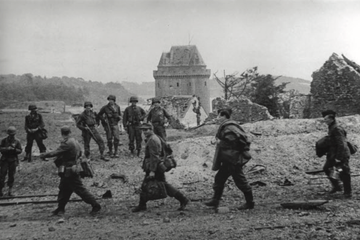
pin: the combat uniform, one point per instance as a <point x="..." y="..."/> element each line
<point x="133" y="116"/>
<point x="88" y="119"/>
<point x="110" y="115"/>
<point x="233" y="142"/>
<point x="66" y="156"/>
<point x="33" y="121"/>
<point x="338" y="155"/>
<point x="10" y="148"/>
<point x="157" y="117"/>
<point x="153" y="150"/>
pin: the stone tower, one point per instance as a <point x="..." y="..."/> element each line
<point x="182" y="71"/>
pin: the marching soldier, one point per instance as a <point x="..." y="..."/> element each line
<point x="10" y="148"/>
<point x="232" y="142"/>
<point x="33" y="124"/>
<point x="132" y="119"/>
<point x="157" y="117"/>
<point x="153" y="150"/>
<point x="338" y="154"/>
<point x="67" y="154"/>
<point x="110" y="115"/>
<point x="87" y="122"/>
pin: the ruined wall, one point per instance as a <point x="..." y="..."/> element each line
<point x="336" y="85"/>
<point x="244" y="110"/>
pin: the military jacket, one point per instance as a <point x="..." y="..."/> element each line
<point x="67" y="153"/>
<point x="133" y="115"/>
<point x="33" y="121"/>
<point x="90" y="119"/>
<point x="338" y="148"/>
<point x="157" y="115"/>
<point x="153" y="150"/>
<point x="110" y="114"/>
<point x="12" y="154"/>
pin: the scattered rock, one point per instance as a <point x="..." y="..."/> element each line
<point x="52" y="229"/>
<point x="61" y="220"/>
<point x="13" y="225"/>
<point x="166" y="220"/>
<point x="222" y="210"/>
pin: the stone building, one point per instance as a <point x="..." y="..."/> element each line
<point x="182" y="72"/>
<point x="336" y="85"/>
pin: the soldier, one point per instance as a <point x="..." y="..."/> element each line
<point x="33" y="124"/>
<point x="338" y="155"/>
<point x="10" y="148"/>
<point x="87" y="122"/>
<point x="157" y="117"/>
<point x="67" y="154"/>
<point x="133" y="118"/>
<point x="110" y="115"/>
<point x="232" y="142"/>
<point x="153" y="150"/>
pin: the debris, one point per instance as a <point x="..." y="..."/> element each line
<point x="166" y="220"/>
<point x="51" y="229"/>
<point x="307" y="204"/>
<point x="119" y="176"/>
<point x="286" y="183"/>
<point x="258" y="183"/>
<point x="314" y="172"/>
<point x="107" y="194"/>
<point x="257" y="169"/>
<point x="61" y="220"/>
<point x="13" y="225"/>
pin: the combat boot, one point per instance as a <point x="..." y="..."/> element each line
<point x="10" y="194"/>
<point x="214" y="202"/>
<point x="142" y="205"/>
<point x="27" y="157"/>
<point x="102" y="157"/>
<point x="95" y="208"/>
<point x="182" y="199"/>
<point x="249" y="201"/>
<point x="58" y="212"/>
<point x="116" y="155"/>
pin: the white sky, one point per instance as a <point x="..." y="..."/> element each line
<point x="123" y="40"/>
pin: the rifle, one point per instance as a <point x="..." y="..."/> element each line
<point x="91" y="133"/>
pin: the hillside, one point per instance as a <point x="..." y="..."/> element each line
<point x="147" y="89"/>
<point x="26" y="87"/>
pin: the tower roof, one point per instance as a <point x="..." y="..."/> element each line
<point x="182" y="56"/>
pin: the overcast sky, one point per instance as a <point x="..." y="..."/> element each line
<point x="123" y="40"/>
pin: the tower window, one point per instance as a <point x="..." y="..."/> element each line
<point x="205" y="83"/>
<point x="177" y="84"/>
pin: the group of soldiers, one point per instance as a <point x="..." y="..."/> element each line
<point x="231" y="154"/>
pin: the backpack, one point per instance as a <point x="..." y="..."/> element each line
<point x="169" y="161"/>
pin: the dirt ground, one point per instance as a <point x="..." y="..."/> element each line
<point x="284" y="150"/>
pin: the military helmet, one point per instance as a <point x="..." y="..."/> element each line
<point x="11" y="130"/>
<point x="65" y="130"/>
<point x="156" y="100"/>
<point x="134" y="99"/>
<point x="111" y="97"/>
<point x="32" y="107"/>
<point x="88" y="104"/>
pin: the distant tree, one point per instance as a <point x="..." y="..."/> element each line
<point x="235" y="86"/>
<point x="266" y="93"/>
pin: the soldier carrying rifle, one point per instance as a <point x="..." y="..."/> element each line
<point x="110" y="116"/>
<point x="133" y="118"/>
<point x="87" y="123"/>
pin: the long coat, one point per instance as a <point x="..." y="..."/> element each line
<point x="338" y="148"/>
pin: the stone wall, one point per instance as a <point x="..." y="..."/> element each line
<point x="244" y="110"/>
<point x="336" y="85"/>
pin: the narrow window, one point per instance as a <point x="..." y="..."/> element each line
<point x="205" y="83"/>
<point x="177" y="84"/>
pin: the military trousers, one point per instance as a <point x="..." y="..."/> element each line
<point x="134" y="132"/>
<point x="30" y="137"/>
<point x="236" y="171"/>
<point x="7" y="168"/>
<point x="70" y="184"/>
<point x="112" y="136"/>
<point x="344" y="176"/>
<point x="87" y="136"/>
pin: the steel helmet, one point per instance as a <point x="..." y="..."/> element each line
<point x="32" y="107"/>
<point x="88" y="104"/>
<point x="134" y="99"/>
<point x="111" y="97"/>
<point x="11" y="130"/>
